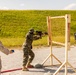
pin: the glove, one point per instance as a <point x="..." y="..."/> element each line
<point x="12" y="50"/>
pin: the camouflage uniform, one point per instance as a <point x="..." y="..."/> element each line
<point x="5" y="51"/>
<point x="27" y="47"/>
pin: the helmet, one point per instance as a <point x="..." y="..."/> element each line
<point x="31" y="30"/>
<point x="38" y="66"/>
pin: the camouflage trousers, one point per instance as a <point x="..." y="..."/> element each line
<point x="28" y="55"/>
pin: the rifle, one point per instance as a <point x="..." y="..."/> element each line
<point x="40" y="33"/>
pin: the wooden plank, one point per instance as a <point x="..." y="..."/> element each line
<point x="57" y="17"/>
<point x="58" y="43"/>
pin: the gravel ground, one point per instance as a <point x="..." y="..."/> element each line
<point x="14" y="61"/>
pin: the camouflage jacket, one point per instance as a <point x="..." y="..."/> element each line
<point x="29" y="39"/>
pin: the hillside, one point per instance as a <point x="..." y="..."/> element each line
<point x="16" y="23"/>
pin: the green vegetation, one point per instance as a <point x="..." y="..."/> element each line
<point x="14" y="24"/>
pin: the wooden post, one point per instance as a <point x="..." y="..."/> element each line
<point x="67" y="40"/>
<point x="66" y="43"/>
<point x="69" y="22"/>
<point x="50" y="37"/>
<point x="48" y="27"/>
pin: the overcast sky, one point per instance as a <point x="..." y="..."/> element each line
<point x="38" y="4"/>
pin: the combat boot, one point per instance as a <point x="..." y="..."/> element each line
<point x="29" y="65"/>
<point x="24" y="69"/>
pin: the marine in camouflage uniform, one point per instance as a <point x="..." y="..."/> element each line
<point x="28" y="55"/>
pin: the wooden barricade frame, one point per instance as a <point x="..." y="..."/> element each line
<point x="67" y="18"/>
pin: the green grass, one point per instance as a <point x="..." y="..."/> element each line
<point x="14" y="24"/>
<point x="17" y="42"/>
<point x="12" y="42"/>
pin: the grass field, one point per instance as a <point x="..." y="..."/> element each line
<point x="14" y="24"/>
<point x="17" y="42"/>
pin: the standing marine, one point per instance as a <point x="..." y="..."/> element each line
<point x="28" y="54"/>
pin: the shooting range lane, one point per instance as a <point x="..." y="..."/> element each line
<point x="14" y="61"/>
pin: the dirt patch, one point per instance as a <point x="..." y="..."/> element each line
<point x="14" y="61"/>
